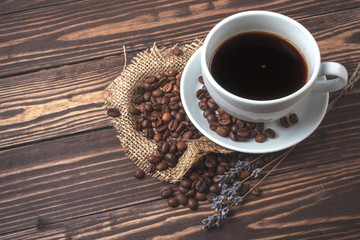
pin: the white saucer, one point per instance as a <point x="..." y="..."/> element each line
<point x="310" y="112"/>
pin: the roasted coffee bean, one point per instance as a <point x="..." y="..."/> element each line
<point x="210" y="162"/>
<point x="158" y="137"/>
<point x="182" y="199"/>
<point x="293" y="118"/>
<point x="172" y="125"/>
<point x="211" y="118"/>
<point x="148" y="87"/>
<point x="170" y="158"/>
<point x="166" y="134"/>
<point x="150" y="78"/>
<point x="200" y="94"/>
<point x="200" y="196"/>
<point x="166" y="117"/>
<point x="190" y="193"/>
<point x="212" y="105"/>
<point x="173" y="105"/>
<point x="181" y="146"/>
<point x="175" y="99"/>
<point x="157" y="93"/>
<point x="137" y="125"/>
<point x="270" y="133"/>
<point x="194" y="176"/>
<point x="187" y="135"/>
<point x="134" y="110"/>
<point x="215" y="188"/>
<point x="173" y="202"/>
<point x="207" y="112"/>
<point x="166" y="191"/>
<point x="252" y="133"/>
<point x="161" y="166"/>
<point x="177" y="51"/>
<point x="193" y="204"/>
<point x="167" y="87"/>
<point x="113" y="112"/>
<point x="285" y="122"/>
<point x="259" y="127"/>
<point x="256" y="191"/>
<point x="203" y="105"/>
<point x="243" y="132"/>
<point x="201" y="186"/>
<point x="145" y="123"/>
<point x="220" y="170"/>
<point x="137" y="98"/>
<point x="251" y="125"/>
<point x="201" y="80"/>
<point x="147" y="96"/>
<point x="223" y="119"/>
<point x="153" y="159"/>
<point x="173" y="148"/>
<point x="222" y="131"/>
<point x="214" y="125"/>
<point x="165" y="147"/>
<point x="186" y="183"/>
<point x="244" y="174"/>
<point x="179" y="116"/>
<point x="149" y="133"/>
<point x="260" y="137"/>
<point x="150" y="168"/>
<point x="172" y="73"/>
<point x="210" y="197"/>
<point x="139" y="174"/>
<point x="157" y="122"/>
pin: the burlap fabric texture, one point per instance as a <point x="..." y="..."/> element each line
<point x="118" y="95"/>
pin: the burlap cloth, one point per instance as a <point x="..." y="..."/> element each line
<point x="118" y="95"/>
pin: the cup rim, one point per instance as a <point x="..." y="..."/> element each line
<point x="233" y="97"/>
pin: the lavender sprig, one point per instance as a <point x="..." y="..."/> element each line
<point x="230" y="195"/>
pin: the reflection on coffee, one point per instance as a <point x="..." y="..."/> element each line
<point x="259" y="66"/>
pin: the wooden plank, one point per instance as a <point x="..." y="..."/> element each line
<point x="56" y="102"/>
<point x="317" y="203"/>
<point x="85" y="174"/>
<point x="53" y="36"/>
<point x="7" y="7"/>
<point x="67" y="92"/>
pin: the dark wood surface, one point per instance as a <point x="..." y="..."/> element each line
<point x="64" y="173"/>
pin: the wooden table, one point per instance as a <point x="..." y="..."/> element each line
<point x="64" y="173"/>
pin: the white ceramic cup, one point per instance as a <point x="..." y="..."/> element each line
<point x="269" y="110"/>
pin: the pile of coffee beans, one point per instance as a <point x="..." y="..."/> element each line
<point x="236" y="129"/>
<point x="200" y="182"/>
<point x="158" y="112"/>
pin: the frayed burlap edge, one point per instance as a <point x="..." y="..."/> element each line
<point x="118" y="95"/>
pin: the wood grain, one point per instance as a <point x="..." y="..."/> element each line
<point x="317" y="204"/>
<point x="65" y="93"/>
<point x="57" y="35"/>
<point x="88" y="173"/>
<point x="13" y="6"/>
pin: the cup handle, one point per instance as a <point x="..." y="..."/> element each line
<point x="333" y="69"/>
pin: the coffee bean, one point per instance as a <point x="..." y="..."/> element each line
<point x="260" y="137"/>
<point x="157" y="93"/>
<point x="166" y="117"/>
<point x="181" y="146"/>
<point x="166" y="191"/>
<point x="170" y="158"/>
<point x="187" y="135"/>
<point x="190" y="193"/>
<point x="180" y="116"/>
<point x="113" y="112"/>
<point x="222" y="131"/>
<point x="153" y="159"/>
<point x="145" y="123"/>
<point x="215" y="188"/>
<point x="244" y="174"/>
<point x="193" y="204"/>
<point x="270" y="133"/>
<point x="186" y="183"/>
<point x="134" y="110"/>
<point x="177" y="51"/>
<point x="285" y="122"/>
<point x="173" y="124"/>
<point x="161" y="166"/>
<point x="149" y="133"/>
<point x="200" y="196"/>
<point x="293" y="118"/>
<point x="201" y="80"/>
<point x="150" y="168"/>
<point x="256" y="191"/>
<point x="172" y="73"/>
<point x="137" y="98"/>
<point x="200" y="94"/>
<point x="182" y="199"/>
<point x="173" y="202"/>
<point x="243" y="132"/>
<point x="139" y="174"/>
<point x="211" y="196"/>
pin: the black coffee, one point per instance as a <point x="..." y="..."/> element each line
<point x="259" y="66"/>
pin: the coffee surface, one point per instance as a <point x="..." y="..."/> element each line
<point x="259" y="66"/>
